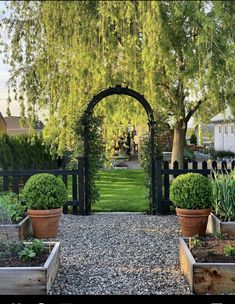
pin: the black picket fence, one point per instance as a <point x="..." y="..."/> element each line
<point x="15" y="179"/>
<point x="165" y="175"/>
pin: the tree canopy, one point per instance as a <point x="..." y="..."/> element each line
<point x="179" y="54"/>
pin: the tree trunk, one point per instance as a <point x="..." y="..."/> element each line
<point x="179" y="142"/>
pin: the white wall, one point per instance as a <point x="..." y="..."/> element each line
<point x="224" y="140"/>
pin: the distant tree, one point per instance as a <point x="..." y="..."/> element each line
<point x="180" y="54"/>
<point x="193" y="139"/>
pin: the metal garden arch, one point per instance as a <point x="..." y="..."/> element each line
<point x="118" y="89"/>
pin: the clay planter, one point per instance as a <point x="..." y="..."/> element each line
<point x="215" y="224"/>
<point x="18" y="231"/>
<point x="45" y="222"/>
<point x="193" y="222"/>
<point x="205" y="278"/>
<point x="30" y="280"/>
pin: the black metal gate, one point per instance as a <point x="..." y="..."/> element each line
<point x="154" y="208"/>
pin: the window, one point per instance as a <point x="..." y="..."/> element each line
<point x="219" y="129"/>
<point x="232" y="129"/>
<point x="225" y="129"/>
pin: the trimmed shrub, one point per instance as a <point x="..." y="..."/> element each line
<point x="191" y="191"/>
<point x="44" y="191"/>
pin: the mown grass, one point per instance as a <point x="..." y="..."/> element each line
<point x="121" y="190"/>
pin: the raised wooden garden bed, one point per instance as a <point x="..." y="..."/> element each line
<point x="205" y="278"/>
<point x="215" y="224"/>
<point x="31" y="280"/>
<point x="18" y="231"/>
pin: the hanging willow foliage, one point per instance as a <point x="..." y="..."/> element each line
<point x="179" y="54"/>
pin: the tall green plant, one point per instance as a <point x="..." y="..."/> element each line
<point x="145" y="155"/>
<point x="224" y="195"/>
<point x="95" y="149"/>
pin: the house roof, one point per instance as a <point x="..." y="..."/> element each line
<point x="2" y="118"/>
<point x="13" y="123"/>
<point x="223" y="116"/>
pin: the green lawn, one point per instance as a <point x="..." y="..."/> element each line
<point x="121" y="190"/>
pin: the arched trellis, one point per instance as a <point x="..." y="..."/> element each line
<point x="118" y="89"/>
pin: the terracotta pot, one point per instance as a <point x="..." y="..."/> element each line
<point x="193" y="221"/>
<point x="45" y="222"/>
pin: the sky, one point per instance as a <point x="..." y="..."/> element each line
<point x="4" y="76"/>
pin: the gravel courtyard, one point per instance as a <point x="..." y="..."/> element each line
<point x="119" y="254"/>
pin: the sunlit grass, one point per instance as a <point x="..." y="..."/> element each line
<point x="121" y="190"/>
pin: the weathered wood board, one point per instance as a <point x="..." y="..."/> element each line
<point x="18" y="231"/>
<point x="214" y="224"/>
<point x="206" y="278"/>
<point x="30" y="280"/>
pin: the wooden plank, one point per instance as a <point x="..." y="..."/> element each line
<point x="186" y="261"/>
<point x="22" y="280"/>
<point x="158" y="187"/>
<point x="52" y="265"/>
<point x="32" y="172"/>
<point x="18" y="231"/>
<point x="213" y="224"/>
<point x="75" y="192"/>
<point x="228" y="227"/>
<point x="214" y="278"/>
<point x="81" y="186"/>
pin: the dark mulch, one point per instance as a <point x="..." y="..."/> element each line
<point x="211" y="250"/>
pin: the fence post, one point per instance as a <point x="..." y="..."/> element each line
<point x="15" y="180"/>
<point x="159" y="186"/>
<point x="81" y="185"/>
<point x="166" y="189"/>
<point x="65" y="180"/>
<point x="5" y="181"/>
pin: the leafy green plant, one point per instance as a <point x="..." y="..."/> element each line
<point x="10" y="247"/>
<point x="224" y="196"/>
<point x="13" y="206"/>
<point x="32" y="250"/>
<point x="219" y="235"/>
<point x="27" y="254"/>
<point x="193" y="139"/>
<point x="229" y="250"/>
<point x="44" y="191"/>
<point x="95" y="151"/>
<point x="188" y="154"/>
<point x="191" y="191"/>
<point x="195" y="241"/>
<point x="37" y="246"/>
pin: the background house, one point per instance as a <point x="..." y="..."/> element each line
<point x="3" y="125"/>
<point x="224" y="131"/>
<point x="11" y="126"/>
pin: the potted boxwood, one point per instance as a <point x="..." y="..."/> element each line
<point x="222" y="217"/>
<point x="45" y="195"/>
<point x="191" y="193"/>
<point x="14" y="221"/>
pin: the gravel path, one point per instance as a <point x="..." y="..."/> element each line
<point x="119" y="254"/>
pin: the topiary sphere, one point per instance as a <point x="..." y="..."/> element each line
<point x="44" y="191"/>
<point x="191" y="191"/>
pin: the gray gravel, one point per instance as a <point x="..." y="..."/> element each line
<point x="119" y="254"/>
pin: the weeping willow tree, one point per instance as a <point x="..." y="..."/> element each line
<point x="179" y="54"/>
